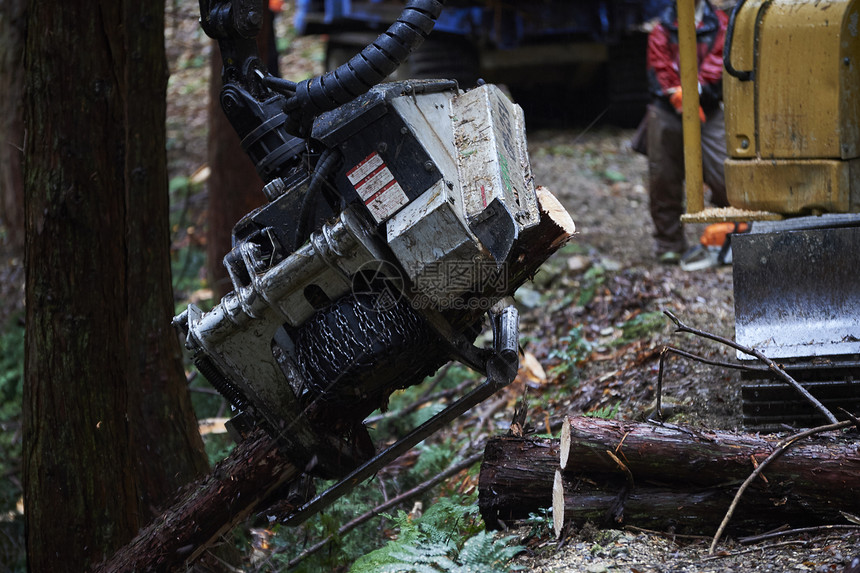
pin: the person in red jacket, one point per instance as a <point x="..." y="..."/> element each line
<point x="664" y="136"/>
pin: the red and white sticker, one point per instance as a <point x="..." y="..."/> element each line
<point x="376" y="186"/>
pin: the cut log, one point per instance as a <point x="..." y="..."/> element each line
<point x="530" y="251"/>
<point x="825" y="468"/>
<point x="667" y="477"/>
<point x="683" y="510"/>
<point x="516" y="478"/>
<point x="557" y="504"/>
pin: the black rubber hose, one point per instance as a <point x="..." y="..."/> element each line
<point x="327" y="162"/>
<point x="743" y="76"/>
<point x="369" y="67"/>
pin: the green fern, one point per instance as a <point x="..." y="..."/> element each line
<point x="485" y="552"/>
<point x="430" y="544"/>
<point x="424" y="558"/>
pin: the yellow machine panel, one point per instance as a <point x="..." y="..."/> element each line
<point x="792" y="99"/>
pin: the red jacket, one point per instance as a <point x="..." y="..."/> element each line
<point x="664" y="61"/>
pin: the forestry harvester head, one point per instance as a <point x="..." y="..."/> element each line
<point x="399" y="215"/>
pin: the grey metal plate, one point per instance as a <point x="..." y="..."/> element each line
<point x="797" y="292"/>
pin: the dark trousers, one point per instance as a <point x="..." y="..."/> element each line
<point x="666" y="172"/>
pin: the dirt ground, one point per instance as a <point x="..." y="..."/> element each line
<point x="602" y="183"/>
<point x="605" y="278"/>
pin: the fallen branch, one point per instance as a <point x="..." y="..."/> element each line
<point x="783" y="447"/>
<point x="799" y="531"/>
<point x="773" y="366"/>
<point x="751" y="549"/>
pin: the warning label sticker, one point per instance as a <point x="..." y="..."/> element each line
<point x="376" y="186"/>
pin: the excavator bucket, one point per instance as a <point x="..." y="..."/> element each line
<point x="797" y="300"/>
<point x="797" y="293"/>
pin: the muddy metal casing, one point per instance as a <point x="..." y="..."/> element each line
<point x="793" y="125"/>
<point x="419" y="197"/>
<point x="467" y="222"/>
<point x="796" y="288"/>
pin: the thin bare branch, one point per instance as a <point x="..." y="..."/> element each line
<point x="798" y="531"/>
<point x="667" y="349"/>
<point x="781" y="449"/>
<point x="773" y="366"/>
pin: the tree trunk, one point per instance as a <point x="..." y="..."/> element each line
<point x="661" y="477"/>
<point x="107" y="426"/>
<point x="13" y="30"/>
<point x="162" y="420"/>
<point x="235" y="189"/>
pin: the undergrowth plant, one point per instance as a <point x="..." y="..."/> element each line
<point x="605" y="412"/>
<point x="448" y="537"/>
<point x="641" y="327"/>
<point x="573" y="350"/>
<point x="11" y="394"/>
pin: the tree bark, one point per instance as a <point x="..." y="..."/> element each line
<point x="13" y="31"/>
<point x="161" y="417"/>
<point x="108" y="429"/>
<point x="677" y="508"/>
<point x="668" y="477"/>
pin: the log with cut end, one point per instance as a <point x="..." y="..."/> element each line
<point x="665" y="477"/>
<point x="533" y="247"/>
<point x="822" y="467"/>
<point x="681" y="509"/>
<point x="516" y="478"/>
<point x="557" y="503"/>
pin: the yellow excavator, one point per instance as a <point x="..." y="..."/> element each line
<point x="791" y="90"/>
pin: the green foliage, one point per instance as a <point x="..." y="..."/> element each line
<point x="614" y="176"/>
<point x="11" y="395"/>
<point x="606" y="412"/>
<point x="448" y="518"/>
<point x="218" y="447"/>
<point x="540" y="523"/>
<point x="431" y="543"/>
<point x="187" y="255"/>
<point x="592" y="279"/>
<point x="572" y="352"/>
<point x="207" y="404"/>
<point x="394" y="424"/>
<point x="641" y="326"/>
